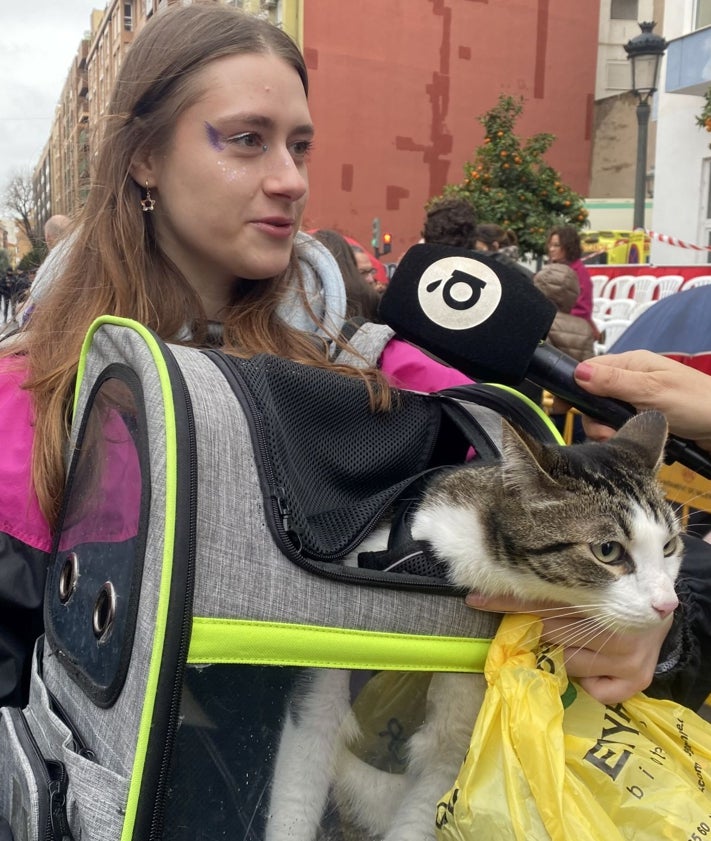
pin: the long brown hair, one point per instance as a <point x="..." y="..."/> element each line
<point x="114" y="264"/>
<point x="362" y="299"/>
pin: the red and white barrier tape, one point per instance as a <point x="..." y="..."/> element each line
<point x="678" y="242"/>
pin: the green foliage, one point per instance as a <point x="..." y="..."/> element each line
<point x="510" y="184"/>
<point x="4" y="260"/>
<point x="703" y="119"/>
<point x="33" y="258"/>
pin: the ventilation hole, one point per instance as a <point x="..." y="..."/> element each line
<point x="68" y="577"/>
<point x="104" y="612"/>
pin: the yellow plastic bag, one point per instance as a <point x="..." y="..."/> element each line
<point x="548" y="762"/>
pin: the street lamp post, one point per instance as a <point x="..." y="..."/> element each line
<point x="645" y="52"/>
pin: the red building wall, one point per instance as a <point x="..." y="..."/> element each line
<point x="397" y="86"/>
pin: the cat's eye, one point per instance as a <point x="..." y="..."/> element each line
<point x="671" y="546"/>
<point x="611" y="552"/>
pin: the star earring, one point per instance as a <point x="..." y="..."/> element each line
<point x="147" y="203"/>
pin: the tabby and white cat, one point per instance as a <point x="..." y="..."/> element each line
<point x="586" y="525"/>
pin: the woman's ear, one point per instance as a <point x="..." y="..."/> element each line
<point x="143" y="170"/>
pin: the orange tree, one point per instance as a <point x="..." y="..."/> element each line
<point x="509" y="183"/>
<point x="704" y="118"/>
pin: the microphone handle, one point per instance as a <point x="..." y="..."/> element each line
<point x="554" y="371"/>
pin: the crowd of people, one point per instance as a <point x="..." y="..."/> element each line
<point x="193" y="229"/>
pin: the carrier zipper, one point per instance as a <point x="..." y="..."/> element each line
<point x="59" y="825"/>
<point x="173" y="712"/>
<point x="280" y="514"/>
<point x="52" y="812"/>
<point x="80" y="746"/>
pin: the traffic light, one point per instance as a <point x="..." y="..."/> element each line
<point x="387" y="243"/>
<point x="375" y="238"/>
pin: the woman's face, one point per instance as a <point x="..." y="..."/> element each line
<point x="556" y="253"/>
<point x="231" y="187"/>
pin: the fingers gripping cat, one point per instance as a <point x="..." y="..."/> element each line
<point x="586" y="525"/>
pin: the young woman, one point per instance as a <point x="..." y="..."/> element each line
<point x="563" y="245"/>
<point x="192" y="228"/>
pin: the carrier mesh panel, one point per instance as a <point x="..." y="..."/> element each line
<point x="338" y="463"/>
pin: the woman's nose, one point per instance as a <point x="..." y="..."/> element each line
<point x="285" y="176"/>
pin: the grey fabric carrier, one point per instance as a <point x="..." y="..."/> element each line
<point x="179" y="616"/>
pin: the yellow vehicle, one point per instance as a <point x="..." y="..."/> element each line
<point x="624" y="247"/>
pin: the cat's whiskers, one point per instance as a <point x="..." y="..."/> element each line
<point x="579" y="623"/>
<point x="582" y="632"/>
<point x="678" y="506"/>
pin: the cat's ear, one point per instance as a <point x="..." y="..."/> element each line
<point x="646" y="434"/>
<point x="525" y="461"/>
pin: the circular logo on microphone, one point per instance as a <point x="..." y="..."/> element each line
<point x="459" y="292"/>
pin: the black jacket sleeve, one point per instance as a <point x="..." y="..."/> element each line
<point x="683" y="673"/>
<point x="22" y="576"/>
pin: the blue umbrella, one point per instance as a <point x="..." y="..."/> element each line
<point x="678" y="326"/>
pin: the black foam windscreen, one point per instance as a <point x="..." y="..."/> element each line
<point x="467" y="309"/>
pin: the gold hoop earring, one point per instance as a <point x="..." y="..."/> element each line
<point x="147" y="203"/>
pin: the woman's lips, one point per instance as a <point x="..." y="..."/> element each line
<point x="280" y="227"/>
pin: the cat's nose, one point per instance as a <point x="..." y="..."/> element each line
<point x="664" y="607"/>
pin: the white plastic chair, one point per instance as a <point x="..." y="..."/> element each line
<point x="612" y="329"/>
<point x="599" y="305"/>
<point x="619" y="287"/>
<point x="699" y="280"/>
<point x="598" y="282"/>
<point x="614" y="308"/>
<point x="668" y="284"/>
<point x="643" y="287"/>
<point x="640" y="308"/>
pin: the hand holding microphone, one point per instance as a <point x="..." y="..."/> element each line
<point x="486" y="321"/>
<point x="651" y="381"/>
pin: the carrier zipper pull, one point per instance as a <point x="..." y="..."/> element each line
<point x="282" y="508"/>
<point x="283" y="512"/>
<point x="58" y="801"/>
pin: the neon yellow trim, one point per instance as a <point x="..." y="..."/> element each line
<point x="536" y="408"/>
<point x="137" y="327"/>
<point x="285" y="644"/>
<point x="171" y="450"/>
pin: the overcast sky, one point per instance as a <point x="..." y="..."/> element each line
<point x="38" y="41"/>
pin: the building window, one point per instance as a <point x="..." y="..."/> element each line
<point x="703" y="13"/>
<point x="127" y="17"/>
<point x="623" y="9"/>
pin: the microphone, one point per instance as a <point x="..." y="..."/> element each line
<point x="489" y="322"/>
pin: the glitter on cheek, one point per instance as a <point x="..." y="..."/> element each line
<point x="217" y="141"/>
<point x="230" y="173"/>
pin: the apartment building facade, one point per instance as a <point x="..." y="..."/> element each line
<point x="396" y="92"/>
<point x="682" y="191"/>
<point x="615" y="123"/>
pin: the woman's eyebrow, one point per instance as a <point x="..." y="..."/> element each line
<point x="262" y="121"/>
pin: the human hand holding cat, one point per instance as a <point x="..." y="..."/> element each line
<point x="651" y="381"/>
<point x="611" y="667"/>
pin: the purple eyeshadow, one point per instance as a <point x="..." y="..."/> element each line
<point x="217" y="141"/>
